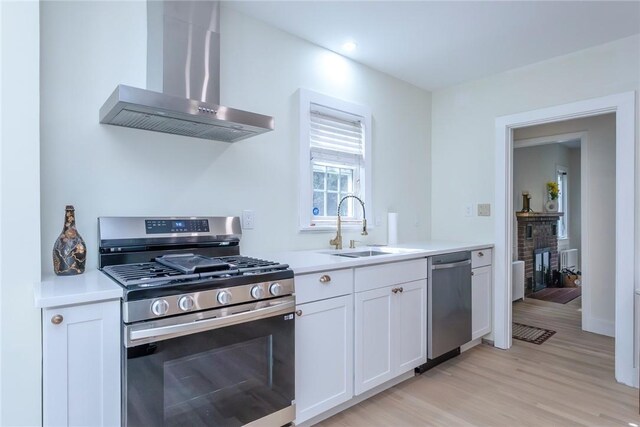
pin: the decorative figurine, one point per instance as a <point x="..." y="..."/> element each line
<point x="526" y="199"/>
<point x="69" y="250"/>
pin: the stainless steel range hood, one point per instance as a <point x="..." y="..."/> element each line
<point x="183" y="79"/>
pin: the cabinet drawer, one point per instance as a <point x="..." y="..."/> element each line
<point x="480" y="258"/>
<point x="322" y="285"/>
<point x="381" y="275"/>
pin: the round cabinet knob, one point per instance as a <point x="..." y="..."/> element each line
<point x="57" y="319"/>
<point x="224" y="297"/>
<point x="159" y="307"/>
<point x="299" y="313"/>
<point x="480" y="254"/>
<point x="275" y="289"/>
<point x="257" y="292"/>
<point x="186" y="303"/>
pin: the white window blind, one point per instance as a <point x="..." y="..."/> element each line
<point x="331" y="133"/>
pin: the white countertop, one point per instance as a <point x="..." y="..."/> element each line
<point x="91" y="286"/>
<point x="95" y="286"/>
<point x="310" y="261"/>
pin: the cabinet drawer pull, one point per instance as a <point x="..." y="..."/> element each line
<point x="299" y="313"/>
<point x="325" y="278"/>
<point x="472" y="273"/>
<point x="395" y="290"/>
<point x="480" y="254"/>
<point x="401" y="289"/>
<point x="57" y="319"/>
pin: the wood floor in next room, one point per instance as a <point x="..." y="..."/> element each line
<point x="567" y="381"/>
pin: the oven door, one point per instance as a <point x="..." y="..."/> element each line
<point x="224" y="367"/>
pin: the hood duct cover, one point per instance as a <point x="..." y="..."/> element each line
<point x="183" y="69"/>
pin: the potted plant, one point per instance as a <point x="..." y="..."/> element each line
<point x="553" y="191"/>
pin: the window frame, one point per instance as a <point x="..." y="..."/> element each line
<point x="307" y="98"/>
<point x="564" y="208"/>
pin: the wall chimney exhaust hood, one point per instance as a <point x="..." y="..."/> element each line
<point x="183" y="79"/>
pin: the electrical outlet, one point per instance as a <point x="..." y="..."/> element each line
<point x="484" y="209"/>
<point x="248" y="220"/>
<point x="468" y="210"/>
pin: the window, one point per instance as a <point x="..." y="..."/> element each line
<point x="563" y="202"/>
<point x="334" y="160"/>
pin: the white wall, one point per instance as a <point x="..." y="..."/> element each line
<point x="463" y="125"/>
<point x="463" y="121"/>
<point x="19" y="215"/>
<point x="533" y="167"/>
<point x="599" y="210"/>
<point x="90" y="47"/>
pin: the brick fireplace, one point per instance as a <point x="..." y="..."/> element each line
<point x="537" y="232"/>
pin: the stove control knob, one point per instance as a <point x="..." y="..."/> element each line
<point x="275" y="289"/>
<point x="185" y="303"/>
<point x="159" y="307"/>
<point x="224" y="297"/>
<point x="257" y="292"/>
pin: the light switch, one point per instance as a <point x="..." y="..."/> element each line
<point x="468" y="210"/>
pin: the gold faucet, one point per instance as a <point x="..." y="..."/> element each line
<point x="337" y="241"/>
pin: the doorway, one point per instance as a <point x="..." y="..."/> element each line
<point x="623" y="105"/>
<point x="549" y="231"/>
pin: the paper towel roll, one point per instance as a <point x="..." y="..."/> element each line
<point x="392" y="228"/>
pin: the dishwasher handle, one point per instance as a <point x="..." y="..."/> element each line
<point x="451" y="265"/>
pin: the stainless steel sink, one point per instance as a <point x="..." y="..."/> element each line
<point x="362" y="254"/>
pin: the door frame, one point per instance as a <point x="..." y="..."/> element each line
<point x="623" y="105"/>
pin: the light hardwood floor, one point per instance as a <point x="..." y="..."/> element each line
<point x="566" y="381"/>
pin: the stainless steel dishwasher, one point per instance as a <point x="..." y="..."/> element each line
<point x="449" y="303"/>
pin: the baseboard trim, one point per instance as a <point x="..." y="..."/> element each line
<point x="599" y="326"/>
<point x="356" y="399"/>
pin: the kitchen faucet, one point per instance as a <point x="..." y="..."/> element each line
<point x="337" y="241"/>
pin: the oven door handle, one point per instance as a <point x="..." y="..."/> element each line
<point x="141" y="336"/>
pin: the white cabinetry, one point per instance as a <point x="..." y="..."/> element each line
<point x="390" y="333"/>
<point x="390" y="327"/>
<point x="81" y="367"/>
<point x="481" y="293"/>
<point x="324" y="343"/>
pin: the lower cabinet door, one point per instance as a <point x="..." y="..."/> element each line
<point x="481" y="297"/>
<point x="324" y="355"/>
<point x="411" y="329"/>
<point x="81" y="365"/>
<point x="373" y="338"/>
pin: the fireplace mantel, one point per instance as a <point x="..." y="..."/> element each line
<point x="549" y="216"/>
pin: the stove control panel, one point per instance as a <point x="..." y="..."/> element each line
<point x="163" y="226"/>
<point x="169" y="305"/>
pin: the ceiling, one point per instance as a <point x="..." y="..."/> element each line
<point x="435" y="44"/>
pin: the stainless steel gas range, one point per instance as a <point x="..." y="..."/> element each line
<point x="208" y="335"/>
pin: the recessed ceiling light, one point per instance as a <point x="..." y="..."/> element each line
<point x="349" y="46"/>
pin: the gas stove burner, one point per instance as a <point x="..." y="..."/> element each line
<point x="156" y="273"/>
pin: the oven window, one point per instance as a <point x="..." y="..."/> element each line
<point x="224" y="377"/>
